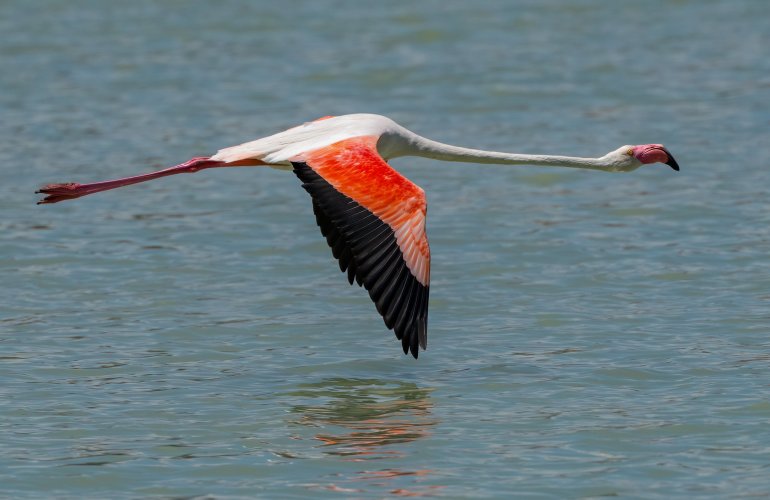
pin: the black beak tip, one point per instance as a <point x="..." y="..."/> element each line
<point x="671" y="161"/>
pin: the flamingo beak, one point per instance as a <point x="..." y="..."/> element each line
<point x="671" y="161"/>
<point x="655" y="153"/>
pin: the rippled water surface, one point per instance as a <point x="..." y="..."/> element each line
<point x="590" y="334"/>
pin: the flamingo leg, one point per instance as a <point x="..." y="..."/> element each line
<point x="71" y="190"/>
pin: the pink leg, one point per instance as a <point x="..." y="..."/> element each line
<point x="72" y="190"/>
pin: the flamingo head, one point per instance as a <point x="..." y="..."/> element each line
<point x="628" y="158"/>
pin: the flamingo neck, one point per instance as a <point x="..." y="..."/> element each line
<point x="420" y="146"/>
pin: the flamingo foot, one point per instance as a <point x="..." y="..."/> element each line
<point x="61" y="192"/>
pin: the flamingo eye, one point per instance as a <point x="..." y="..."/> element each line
<point x="630" y="152"/>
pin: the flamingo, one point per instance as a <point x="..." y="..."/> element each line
<point x="372" y="217"/>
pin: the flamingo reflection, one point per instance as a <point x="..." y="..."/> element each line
<point x="360" y="417"/>
<point x="363" y="420"/>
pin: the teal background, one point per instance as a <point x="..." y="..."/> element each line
<point x="590" y="334"/>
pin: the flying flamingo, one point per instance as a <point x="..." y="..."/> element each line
<point x="373" y="218"/>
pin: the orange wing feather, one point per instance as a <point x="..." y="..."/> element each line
<point x="355" y="169"/>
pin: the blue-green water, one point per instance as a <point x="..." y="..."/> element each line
<point x="590" y="334"/>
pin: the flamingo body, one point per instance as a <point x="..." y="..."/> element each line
<point x="281" y="148"/>
<point x="372" y="217"/>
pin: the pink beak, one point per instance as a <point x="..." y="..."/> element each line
<point x="655" y="153"/>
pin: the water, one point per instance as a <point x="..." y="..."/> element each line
<point x="590" y="334"/>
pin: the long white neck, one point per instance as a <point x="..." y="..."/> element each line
<point x="420" y="146"/>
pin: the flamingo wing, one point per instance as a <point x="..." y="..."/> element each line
<point x="373" y="219"/>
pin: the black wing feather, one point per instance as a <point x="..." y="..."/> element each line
<point x="367" y="248"/>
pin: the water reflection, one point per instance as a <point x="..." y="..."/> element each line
<point x="366" y="419"/>
<point x="361" y="418"/>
